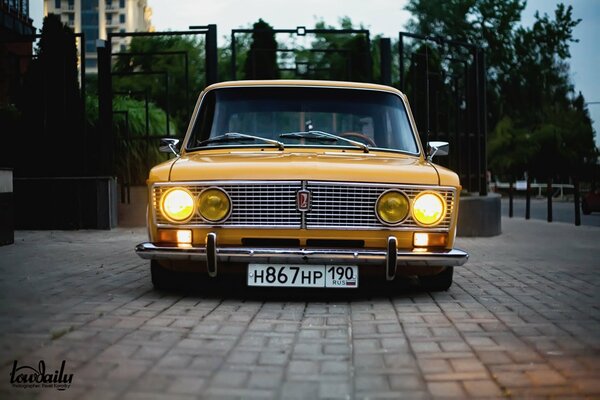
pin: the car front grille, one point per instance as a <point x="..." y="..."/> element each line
<point x="333" y="205"/>
<point x="255" y="204"/>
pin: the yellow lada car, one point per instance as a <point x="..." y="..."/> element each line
<point x="303" y="184"/>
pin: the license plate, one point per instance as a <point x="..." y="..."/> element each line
<point x="302" y="275"/>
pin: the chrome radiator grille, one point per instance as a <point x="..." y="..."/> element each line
<point x="353" y="206"/>
<point x="334" y="205"/>
<point x="254" y="204"/>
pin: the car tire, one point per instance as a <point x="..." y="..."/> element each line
<point x="585" y="209"/>
<point x="438" y="283"/>
<point x="163" y="278"/>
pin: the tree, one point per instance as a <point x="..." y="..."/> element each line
<point x="342" y="57"/>
<point x="50" y="103"/>
<point x="531" y="102"/>
<point x="163" y="76"/>
<point x="261" y="60"/>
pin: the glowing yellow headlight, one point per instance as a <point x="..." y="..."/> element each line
<point x="428" y="208"/>
<point x="214" y="205"/>
<point x="177" y="205"/>
<point x="392" y="207"/>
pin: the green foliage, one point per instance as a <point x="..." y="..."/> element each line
<point x="242" y="45"/>
<point x="162" y="77"/>
<point x="134" y="154"/>
<point x="538" y="123"/>
<point x="322" y="56"/>
<point x="510" y="148"/>
<point x="343" y="57"/>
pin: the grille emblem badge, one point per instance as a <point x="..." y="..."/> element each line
<point x="303" y="200"/>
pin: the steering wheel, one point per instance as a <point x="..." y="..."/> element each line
<point x="357" y="135"/>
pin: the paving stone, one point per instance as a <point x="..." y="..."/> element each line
<point x="513" y="324"/>
<point x="446" y="389"/>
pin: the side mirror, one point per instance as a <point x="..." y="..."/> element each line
<point x="437" y="149"/>
<point x="169" y="145"/>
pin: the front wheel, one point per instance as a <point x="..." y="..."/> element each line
<point x="439" y="282"/>
<point x="163" y="278"/>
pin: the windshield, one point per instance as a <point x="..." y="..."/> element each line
<point x="302" y="116"/>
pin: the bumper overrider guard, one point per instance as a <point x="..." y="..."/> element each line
<point x="391" y="258"/>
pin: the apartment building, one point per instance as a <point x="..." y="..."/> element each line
<point x="96" y="18"/>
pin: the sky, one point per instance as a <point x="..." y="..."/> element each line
<point x="386" y="17"/>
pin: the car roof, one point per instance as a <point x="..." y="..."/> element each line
<point x="306" y="83"/>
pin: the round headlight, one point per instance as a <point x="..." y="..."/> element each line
<point x="214" y="205"/>
<point x="392" y="207"/>
<point x="177" y="205"/>
<point x="428" y="208"/>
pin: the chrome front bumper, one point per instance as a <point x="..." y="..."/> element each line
<point x="212" y="255"/>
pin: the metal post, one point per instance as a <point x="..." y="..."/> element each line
<point x="83" y="105"/>
<point x="426" y="98"/>
<point x="105" y="109"/>
<point x="385" y="52"/>
<point x="147" y="109"/>
<point x="369" y="58"/>
<point x="477" y="93"/>
<point x="401" y="60"/>
<point x="483" y="187"/>
<point x="576" y="200"/>
<point x="549" y="197"/>
<point x="187" y="85"/>
<point x="167" y="111"/>
<point x="233" y="56"/>
<point x="528" y="198"/>
<point x="510" y="199"/>
<point x="211" y="55"/>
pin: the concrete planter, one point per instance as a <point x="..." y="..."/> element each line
<point x="479" y="216"/>
<point x="66" y="203"/>
<point x="133" y="214"/>
<point x="7" y="222"/>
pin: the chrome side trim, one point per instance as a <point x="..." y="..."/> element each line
<point x="431" y="258"/>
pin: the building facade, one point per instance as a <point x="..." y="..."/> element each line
<point x="16" y="30"/>
<point x="96" y="18"/>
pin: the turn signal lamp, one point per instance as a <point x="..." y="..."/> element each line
<point x="179" y="236"/>
<point x="392" y="207"/>
<point x="421" y="239"/>
<point x="214" y="205"/>
<point x="177" y="205"/>
<point x="428" y="208"/>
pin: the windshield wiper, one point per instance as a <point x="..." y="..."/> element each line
<point x="230" y="136"/>
<point x="323" y="135"/>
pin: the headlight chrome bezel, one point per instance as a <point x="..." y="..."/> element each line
<point x="229" y="202"/>
<point x="408" y="209"/>
<point x="165" y="214"/>
<point x="441" y="201"/>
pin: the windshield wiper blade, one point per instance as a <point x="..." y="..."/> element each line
<point x="324" y="135"/>
<point x="240" y="136"/>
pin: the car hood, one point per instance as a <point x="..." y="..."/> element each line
<point x="295" y="165"/>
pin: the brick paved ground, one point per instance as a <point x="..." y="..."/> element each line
<point x="522" y="320"/>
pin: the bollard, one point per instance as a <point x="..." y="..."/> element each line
<point x="576" y="201"/>
<point x="549" y="196"/>
<point x="510" y="199"/>
<point x="528" y="199"/>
